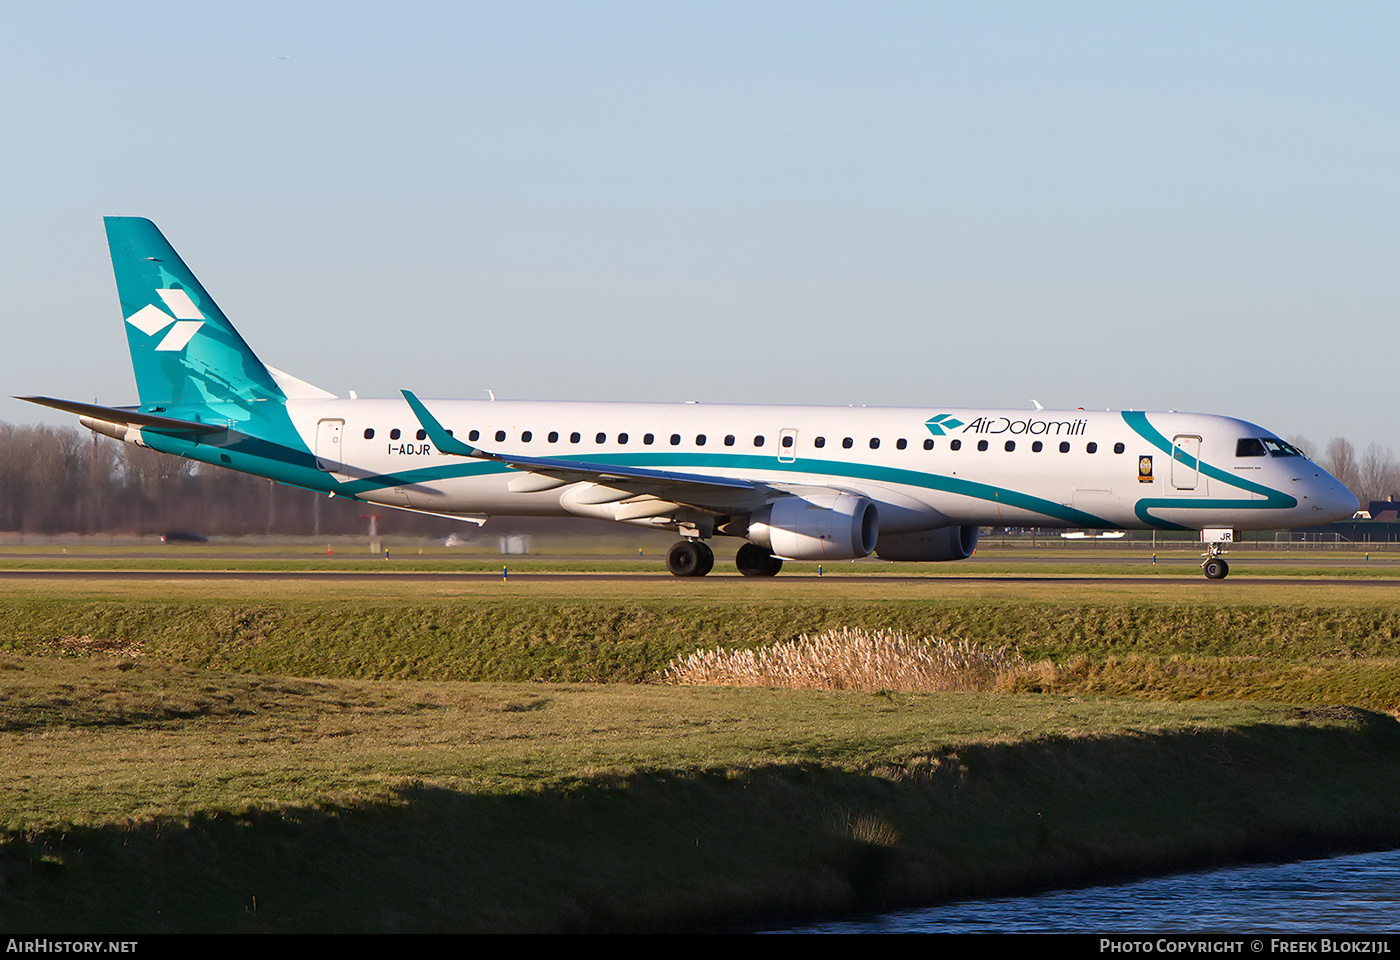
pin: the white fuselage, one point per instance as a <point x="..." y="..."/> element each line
<point x="971" y="467"/>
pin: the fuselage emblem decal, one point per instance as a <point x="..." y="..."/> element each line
<point x="941" y="424"/>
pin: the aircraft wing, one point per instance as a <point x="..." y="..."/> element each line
<point x="693" y="489"/>
<point x="608" y="472"/>
<point x="128" y="416"/>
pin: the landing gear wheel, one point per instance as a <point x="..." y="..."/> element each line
<point x="690" y="558"/>
<point x="753" y="561"/>
<point x="1216" y="540"/>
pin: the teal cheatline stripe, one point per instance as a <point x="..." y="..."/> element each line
<point x="880" y="474"/>
<point x="246" y="454"/>
<point x="405" y="478"/>
<point x="823" y="468"/>
<point x="1144" y="505"/>
<point x="1273" y="499"/>
<point x="747" y="462"/>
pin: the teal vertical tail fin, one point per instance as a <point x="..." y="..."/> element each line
<point x="183" y="349"/>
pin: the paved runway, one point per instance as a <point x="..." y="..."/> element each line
<point x="409" y="576"/>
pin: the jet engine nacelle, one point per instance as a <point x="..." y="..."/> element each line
<point x="945" y="543"/>
<point x="840" y="526"/>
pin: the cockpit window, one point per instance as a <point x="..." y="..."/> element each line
<point x="1277" y="448"/>
<point x="1250" y="447"/>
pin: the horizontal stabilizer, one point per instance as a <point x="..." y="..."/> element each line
<point x="126" y="415"/>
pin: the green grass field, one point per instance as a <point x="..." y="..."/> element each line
<point x="384" y="756"/>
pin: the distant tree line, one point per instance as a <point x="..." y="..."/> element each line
<point x="1373" y="475"/>
<point x="68" y="480"/>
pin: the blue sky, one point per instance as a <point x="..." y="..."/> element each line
<point x="1147" y="205"/>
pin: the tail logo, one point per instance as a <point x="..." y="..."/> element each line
<point x="186" y="318"/>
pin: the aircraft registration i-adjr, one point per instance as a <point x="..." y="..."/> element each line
<point x="794" y="482"/>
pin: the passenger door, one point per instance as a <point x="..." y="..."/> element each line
<point x="1186" y="469"/>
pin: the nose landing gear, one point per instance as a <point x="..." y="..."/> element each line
<point x="1215" y="539"/>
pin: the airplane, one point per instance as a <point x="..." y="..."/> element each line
<point x="806" y="483"/>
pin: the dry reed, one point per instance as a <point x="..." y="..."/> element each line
<point x="850" y="660"/>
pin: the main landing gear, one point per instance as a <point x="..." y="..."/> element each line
<point x="754" y="561"/>
<point x="692" y="558"/>
<point x="689" y="558"/>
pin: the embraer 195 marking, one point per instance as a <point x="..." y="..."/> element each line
<point x="805" y="483"/>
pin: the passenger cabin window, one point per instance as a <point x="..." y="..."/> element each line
<point x="729" y="440"/>
<point x="928" y="444"/>
<point x="1064" y="446"/>
<point x="1118" y="448"/>
<point x="526" y="437"/>
<point x="601" y="438"/>
<point x="1250" y="447"/>
<point x="394" y="434"/>
<point x="675" y="439"/>
<point x="700" y="440"/>
<point x="819" y="442"/>
<point x="787" y="441"/>
<point x="1010" y="445"/>
<point x="554" y="436"/>
<point x="421" y="434"/>
<point x="1092" y="447"/>
<point x="758" y="441"/>
<point x="847" y="443"/>
<point x="649" y="439"/>
<point x="874" y="443"/>
<point x="500" y="436"/>
<point x="954" y="444"/>
<point x="369" y="433"/>
<point x="1037" y="447"/>
<point x="901" y="443"/>
<point x="981" y="445"/>
<point x="474" y="435"/>
<point x="575" y="437"/>
<point x="622" y="439"/>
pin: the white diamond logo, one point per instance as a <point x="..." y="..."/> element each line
<point x="187" y="320"/>
<point x="150" y="319"/>
<point x="179" y="334"/>
<point x="180" y="304"/>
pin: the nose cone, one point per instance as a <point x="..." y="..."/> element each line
<point x="1330" y="499"/>
<point x="1346" y="503"/>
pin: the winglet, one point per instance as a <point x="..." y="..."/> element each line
<point x="437" y="433"/>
